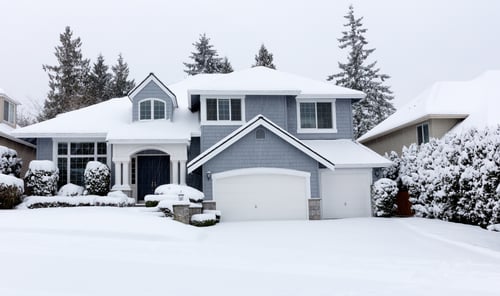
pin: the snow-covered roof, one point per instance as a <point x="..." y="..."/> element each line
<point x="149" y="78"/>
<point x="346" y="153"/>
<point x="5" y="132"/>
<point x="263" y="80"/>
<point x="4" y="94"/>
<point x="477" y="101"/>
<point x="259" y="120"/>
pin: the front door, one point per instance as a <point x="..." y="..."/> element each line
<point x="152" y="171"/>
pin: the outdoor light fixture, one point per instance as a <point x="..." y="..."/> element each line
<point x="209" y="175"/>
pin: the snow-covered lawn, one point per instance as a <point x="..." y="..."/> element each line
<point x="132" y="251"/>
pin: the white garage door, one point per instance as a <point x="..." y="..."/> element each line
<point x="346" y="193"/>
<point x="261" y="194"/>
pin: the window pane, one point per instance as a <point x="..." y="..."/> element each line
<point x="223" y="109"/>
<point x="101" y="148"/>
<point x="307" y="115"/>
<point x="102" y="160"/>
<point x="159" y="110"/>
<point x="145" y="110"/>
<point x="62" y="148"/>
<point x="419" y="135"/>
<point x="211" y="109"/>
<point x="5" y="110"/>
<point x="82" y="148"/>
<point x="77" y="169"/>
<point x="324" y="111"/>
<point x="62" y="165"/>
<point x="12" y="109"/>
<point x="235" y="109"/>
<point x="425" y="128"/>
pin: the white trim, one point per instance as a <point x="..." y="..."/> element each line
<point x="236" y="135"/>
<point x="203" y="110"/>
<point x="317" y="130"/>
<point x="152" y="100"/>
<point x="149" y="141"/>
<point x="330" y="96"/>
<point x="146" y="81"/>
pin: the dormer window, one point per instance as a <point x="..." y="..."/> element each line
<point x="152" y="109"/>
<point x="9" y="111"/>
<point x="316" y="116"/>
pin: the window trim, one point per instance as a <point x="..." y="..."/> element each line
<point x="152" y="109"/>
<point x="428" y="132"/>
<point x="203" y="110"/>
<point x="317" y="130"/>
<point x="12" y="107"/>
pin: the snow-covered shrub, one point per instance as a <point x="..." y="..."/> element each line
<point x="384" y="197"/>
<point x="392" y="171"/>
<point x="114" y="199"/>
<point x="10" y="164"/>
<point x="11" y="190"/>
<point x="97" y="178"/>
<point x="151" y="203"/>
<point x="175" y="190"/>
<point x="41" y="178"/>
<point x="70" y="190"/>
<point x="202" y="220"/>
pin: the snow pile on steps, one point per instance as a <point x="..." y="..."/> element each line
<point x="115" y="199"/>
<point x="171" y="191"/>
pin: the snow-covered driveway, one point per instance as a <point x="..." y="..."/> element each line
<point x="129" y="251"/>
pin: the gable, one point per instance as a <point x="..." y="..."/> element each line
<point x="152" y="90"/>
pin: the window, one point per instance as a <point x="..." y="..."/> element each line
<point x="423" y="133"/>
<point x="224" y="109"/>
<point x="72" y="159"/>
<point x="152" y="109"/>
<point x="9" y="111"/>
<point x="316" y="116"/>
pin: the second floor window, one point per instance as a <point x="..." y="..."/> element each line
<point x="151" y="109"/>
<point x="9" y="111"/>
<point x="316" y="115"/>
<point x="224" y="109"/>
<point x="423" y="133"/>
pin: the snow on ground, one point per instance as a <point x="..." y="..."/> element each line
<point x="133" y="251"/>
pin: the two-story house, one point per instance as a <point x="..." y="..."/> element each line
<point x="8" y="111"/>
<point x="261" y="143"/>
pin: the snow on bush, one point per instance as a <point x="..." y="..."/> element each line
<point x="384" y="193"/>
<point x="114" y="199"/>
<point x="203" y="220"/>
<point x="10" y="164"/>
<point x="97" y="178"/>
<point x="175" y="190"/>
<point x="70" y="190"/>
<point x="41" y="178"/>
<point x="455" y="178"/>
<point x="11" y="190"/>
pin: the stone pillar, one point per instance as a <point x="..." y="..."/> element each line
<point x="175" y="171"/>
<point x="209" y="205"/>
<point x="182" y="172"/>
<point x="118" y="173"/>
<point x="181" y="213"/>
<point x="314" y="208"/>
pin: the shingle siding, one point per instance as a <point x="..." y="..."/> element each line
<point x="272" y="152"/>
<point x="44" y="149"/>
<point x="152" y="91"/>
<point x="272" y="107"/>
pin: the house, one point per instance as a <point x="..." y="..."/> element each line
<point x="8" y="111"/>
<point x="450" y="106"/>
<point x="261" y="143"/>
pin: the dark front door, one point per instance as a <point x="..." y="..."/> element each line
<point x="152" y="171"/>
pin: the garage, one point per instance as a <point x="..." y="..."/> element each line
<point x="346" y="193"/>
<point x="262" y="194"/>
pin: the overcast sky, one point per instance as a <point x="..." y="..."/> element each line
<point x="417" y="42"/>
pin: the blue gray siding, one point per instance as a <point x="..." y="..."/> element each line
<point x="44" y="149"/>
<point x="272" y="107"/>
<point x="152" y="91"/>
<point x="272" y="152"/>
<point x="343" y="119"/>
<point x="211" y="134"/>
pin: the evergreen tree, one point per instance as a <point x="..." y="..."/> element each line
<point x="361" y="75"/>
<point x="99" y="88"/>
<point x="120" y="85"/>
<point x="205" y="58"/>
<point x="67" y="79"/>
<point x="264" y="58"/>
<point x="225" y="66"/>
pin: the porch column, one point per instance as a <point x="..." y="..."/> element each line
<point x="125" y="173"/>
<point x="118" y="173"/>
<point x="174" y="163"/>
<point x="182" y="172"/>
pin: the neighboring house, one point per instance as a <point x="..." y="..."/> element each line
<point x="450" y="106"/>
<point x="25" y="150"/>
<point x="261" y="143"/>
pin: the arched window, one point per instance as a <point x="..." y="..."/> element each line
<point x="152" y="109"/>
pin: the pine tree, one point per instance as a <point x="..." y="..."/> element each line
<point x="361" y="75"/>
<point x="99" y="88"/>
<point x="120" y="85"/>
<point x="67" y="79"/>
<point x="225" y="66"/>
<point x="205" y="58"/>
<point x="264" y="58"/>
